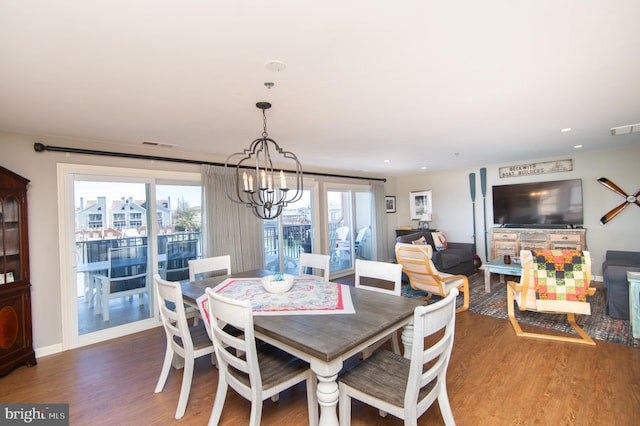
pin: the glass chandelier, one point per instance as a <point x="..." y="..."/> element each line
<point x="250" y="177"/>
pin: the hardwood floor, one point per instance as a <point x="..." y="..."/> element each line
<point x="494" y="378"/>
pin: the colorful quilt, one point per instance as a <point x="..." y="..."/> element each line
<point x="307" y="296"/>
<point x="560" y="275"/>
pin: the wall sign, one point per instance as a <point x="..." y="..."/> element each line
<point x="536" y="168"/>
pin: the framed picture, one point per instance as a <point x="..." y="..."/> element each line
<point x="419" y="203"/>
<point x="390" y="203"/>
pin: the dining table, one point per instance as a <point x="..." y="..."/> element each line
<point x="328" y="342"/>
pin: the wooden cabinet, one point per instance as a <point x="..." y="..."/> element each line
<point x="511" y="240"/>
<point x="16" y="346"/>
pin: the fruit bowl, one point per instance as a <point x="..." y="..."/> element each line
<point x="277" y="283"/>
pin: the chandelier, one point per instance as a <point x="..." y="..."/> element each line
<point x="250" y="177"/>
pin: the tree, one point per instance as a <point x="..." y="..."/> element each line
<point x="186" y="218"/>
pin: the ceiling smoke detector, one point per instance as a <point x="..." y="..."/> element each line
<point x="625" y="130"/>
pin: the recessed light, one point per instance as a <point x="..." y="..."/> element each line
<point x="577" y="146"/>
<point x="566" y="129"/>
<point x="423" y="168"/>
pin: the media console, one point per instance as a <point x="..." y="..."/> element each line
<point x="511" y="240"/>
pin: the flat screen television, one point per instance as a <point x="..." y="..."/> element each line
<point x="552" y="203"/>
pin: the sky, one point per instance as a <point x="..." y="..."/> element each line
<point x="116" y="190"/>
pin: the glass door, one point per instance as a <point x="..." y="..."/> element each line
<point x="118" y="228"/>
<point x="114" y="280"/>
<point x="349" y="218"/>
<point x="290" y="234"/>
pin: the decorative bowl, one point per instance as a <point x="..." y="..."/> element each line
<point x="277" y="283"/>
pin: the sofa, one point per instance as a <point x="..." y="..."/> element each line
<point x="456" y="259"/>
<point x="614" y="276"/>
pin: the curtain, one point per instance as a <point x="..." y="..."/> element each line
<point x="380" y="220"/>
<point x="228" y="227"/>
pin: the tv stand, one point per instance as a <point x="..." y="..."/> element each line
<point x="511" y="240"/>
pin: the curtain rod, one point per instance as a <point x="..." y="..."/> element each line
<point x="39" y="147"/>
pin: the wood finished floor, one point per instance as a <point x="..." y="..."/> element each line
<point x="494" y="378"/>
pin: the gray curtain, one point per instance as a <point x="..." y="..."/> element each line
<point x="380" y="219"/>
<point x="228" y="227"/>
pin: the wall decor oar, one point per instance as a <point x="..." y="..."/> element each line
<point x="628" y="199"/>
<point x="483" y="188"/>
<point x="472" y="188"/>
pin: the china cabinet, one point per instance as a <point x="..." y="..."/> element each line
<point x="16" y="346"/>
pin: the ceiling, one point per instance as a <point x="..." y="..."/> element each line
<point x="418" y="83"/>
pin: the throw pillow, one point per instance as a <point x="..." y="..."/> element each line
<point x="440" y="240"/>
<point x="420" y="241"/>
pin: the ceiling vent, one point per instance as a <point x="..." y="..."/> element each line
<point x="625" y="130"/>
<point x="158" y="144"/>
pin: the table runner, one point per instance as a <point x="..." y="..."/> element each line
<point x="307" y="296"/>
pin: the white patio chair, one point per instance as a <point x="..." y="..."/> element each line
<point x="379" y="271"/>
<point x="255" y="375"/>
<point x="403" y="387"/>
<point x="209" y="265"/>
<point x="186" y="342"/>
<point x="315" y="261"/>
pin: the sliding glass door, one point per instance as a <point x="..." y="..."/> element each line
<point x="120" y="227"/>
<point x="291" y="233"/>
<point x="349" y="216"/>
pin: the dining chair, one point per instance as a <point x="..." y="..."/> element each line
<point x="406" y="388"/>
<point x="368" y="274"/>
<point x="209" y="265"/>
<point x="203" y="268"/>
<point x="317" y="262"/>
<point x="553" y="281"/>
<point x="186" y="342"/>
<point x="417" y="264"/>
<point x="255" y="374"/>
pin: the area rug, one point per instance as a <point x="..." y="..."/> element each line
<point x="597" y="325"/>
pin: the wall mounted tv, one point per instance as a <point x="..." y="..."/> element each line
<point x="539" y="204"/>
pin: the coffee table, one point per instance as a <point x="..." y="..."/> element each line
<point x="497" y="266"/>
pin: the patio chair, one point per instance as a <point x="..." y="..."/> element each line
<point x="368" y="276"/>
<point x="126" y="276"/>
<point x="255" y="374"/>
<point x="183" y="341"/>
<point x="423" y="275"/>
<point x="406" y="388"/>
<point x="553" y="281"/>
<point x="179" y="254"/>
<point x="316" y="262"/>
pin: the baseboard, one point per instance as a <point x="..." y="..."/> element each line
<point x="48" y="350"/>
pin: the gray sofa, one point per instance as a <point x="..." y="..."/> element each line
<point x="457" y="259"/>
<point x="614" y="273"/>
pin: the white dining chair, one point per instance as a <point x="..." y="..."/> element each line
<point x="255" y="374"/>
<point x="186" y="342"/>
<point x="373" y="273"/>
<point x="209" y="265"/>
<point x="316" y="262"/>
<point x="403" y="387"/>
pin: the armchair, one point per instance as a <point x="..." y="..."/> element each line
<point x="614" y="272"/>
<point x="553" y="281"/>
<point x="456" y="259"/>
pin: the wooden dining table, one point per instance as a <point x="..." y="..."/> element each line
<point x="327" y="342"/>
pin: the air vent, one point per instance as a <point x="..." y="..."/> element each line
<point x="158" y="144"/>
<point x="625" y="130"/>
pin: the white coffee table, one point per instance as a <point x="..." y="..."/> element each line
<point x="497" y="266"/>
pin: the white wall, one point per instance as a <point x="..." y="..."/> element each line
<point x="452" y="206"/>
